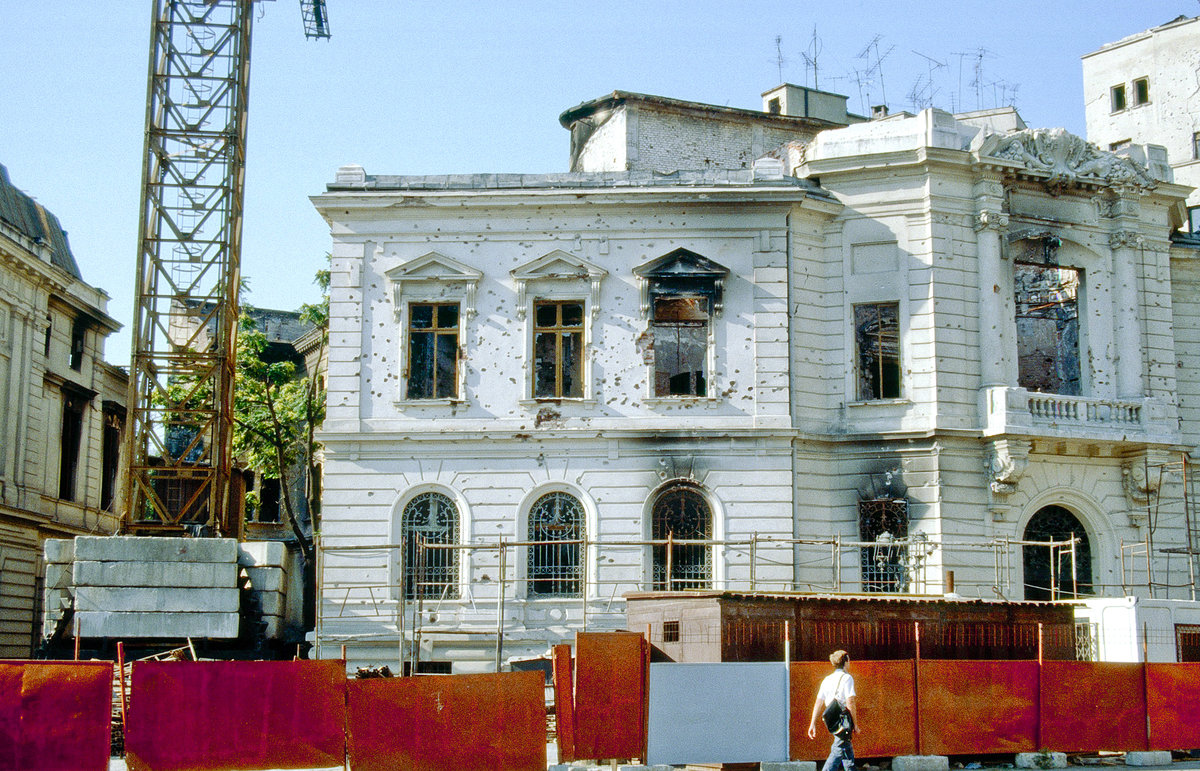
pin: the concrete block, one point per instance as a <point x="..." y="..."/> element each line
<point x="921" y="763"/>
<point x="789" y="765"/>
<point x="1153" y="758"/>
<point x="267" y="579"/>
<point x="157" y="625"/>
<point x="1042" y="760"/>
<point x="58" y="575"/>
<point x="262" y="553"/>
<point x="156" y="599"/>
<point x="180" y="574"/>
<point x="58" y="549"/>
<point x="114" y="548"/>
<point x="272" y="603"/>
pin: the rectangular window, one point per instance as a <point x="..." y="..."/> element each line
<point x="1117" y="95"/>
<point x="1047" y="309"/>
<point x="877" y="339"/>
<point x="72" y="434"/>
<point x="558" y="350"/>
<point x="1119" y="145"/>
<point x="111" y="455"/>
<point x="670" y="631"/>
<point x="1141" y="91"/>
<point x="1196" y="145"/>
<point x="1194" y="219"/>
<point x="1187" y="642"/>
<point x="432" y="351"/>
<point x="78" y="337"/>
<point x="680" y="329"/>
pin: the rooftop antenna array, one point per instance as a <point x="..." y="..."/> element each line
<point x="870" y="53"/>
<point x="810" y="59"/>
<point x="779" y="59"/>
<point x="923" y="90"/>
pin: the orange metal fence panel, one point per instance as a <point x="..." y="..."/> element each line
<point x="610" y="695"/>
<point x="437" y="723"/>
<point x="55" y="717"/>
<point x="236" y="715"/>
<point x="977" y="707"/>
<point x="884" y="703"/>
<point x="564" y="702"/>
<point x="1173" y="696"/>
<point x="1074" y="693"/>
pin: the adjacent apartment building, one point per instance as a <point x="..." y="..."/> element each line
<point x="787" y="350"/>
<point x="1144" y="88"/>
<point x="62" y="408"/>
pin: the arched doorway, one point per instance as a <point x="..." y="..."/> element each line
<point x="1048" y="569"/>
<point x="682" y="514"/>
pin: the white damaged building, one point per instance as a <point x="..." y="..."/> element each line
<point x="788" y="351"/>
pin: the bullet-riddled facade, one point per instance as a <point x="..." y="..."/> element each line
<point x="859" y="360"/>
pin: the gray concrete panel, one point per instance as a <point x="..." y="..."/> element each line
<point x="262" y="553"/>
<point x="157" y="625"/>
<point x="139" y="549"/>
<point x="150" y="599"/>
<point x="181" y="574"/>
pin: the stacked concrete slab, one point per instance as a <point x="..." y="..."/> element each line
<point x="267" y="565"/>
<point x="134" y="587"/>
<point x="58" y="554"/>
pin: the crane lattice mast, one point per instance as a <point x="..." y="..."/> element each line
<point x="188" y="273"/>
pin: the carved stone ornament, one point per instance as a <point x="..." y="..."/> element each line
<point x="1139" y="485"/>
<point x="1005" y="465"/>
<point x="991" y="220"/>
<point x="1066" y="159"/>
<point x="1126" y="238"/>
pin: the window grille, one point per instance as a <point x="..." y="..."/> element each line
<point x="555" y="567"/>
<point x="1044" y="580"/>
<point x="1087" y="641"/>
<point x="670" y="631"/>
<point x="1187" y="642"/>
<point x="884" y="565"/>
<point x="430" y="518"/>
<point x="682" y="514"/>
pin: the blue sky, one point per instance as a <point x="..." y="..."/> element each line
<point x="408" y="87"/>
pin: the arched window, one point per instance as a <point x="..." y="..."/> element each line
<point x="556" y="527"/>
<point x="681" y="514"/>
<point x="1048" y="568"/>
<point x="430" y="518"/>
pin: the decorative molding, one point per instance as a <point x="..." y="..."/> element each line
<point x="558" y="266"/>
<point x="1126" y="238"/>
<point x="1065" y="159"/>
<point x="1142" y="477"/>
<point x="434" y="269"/>
<point x="1006" y="463"/>
<point x="682" y="269"/>
<point x="989" y="219"/>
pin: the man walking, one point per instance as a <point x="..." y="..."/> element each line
<point x="837" y="686"/>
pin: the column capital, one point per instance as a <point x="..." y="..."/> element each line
<point x="990" y="219"/>
<point x="1125" y="238"/>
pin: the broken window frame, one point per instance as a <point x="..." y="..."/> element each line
<point x="681" y="513"/>
<point x="878" y="376"/>
<point x="1116" y="96"/>
<point x="71" y="444"/>
<point x="1141" y="91"/>
<point x="681" y="276"/>
<point x="1068" y="377"/>
<point x="564" y="338"/>
<point x="442" y="386"/>
<point x="555" y="569"/>
<point x="110" y="453"/>
<point x="429" y="574"/>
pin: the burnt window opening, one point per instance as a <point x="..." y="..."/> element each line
<point x="432" y="351"/>
<point x="774" y="107"/>
<point x="430" y="518"/>
<point x="78" y="341"/>
<point x="1141" y="91"/>
<point x="558" y="350"/>
<point x="1187" y="642"/>
<point x="1048" y="569"/>
<point x="556" y="527"/>
<point x="1117" y="97"/>
<point x="72" y="436"/>
<point x="268" y="501"/>
<point x="680" y="328"/>
<point x="670" y="631"/>
<point x="1047" y="321"/>
<point x="681" y="514"/>
<point x="877" y="342"/>
<point x="882" y="522"/>
<point x="682" y="294"/>
<point x="49" y="334"/>
<point x="110" y="458"/>
<point x="429" y="668"/>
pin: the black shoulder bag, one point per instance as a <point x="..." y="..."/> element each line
<point x="838" y="719"/>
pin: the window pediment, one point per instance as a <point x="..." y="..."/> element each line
<point x="435" y="269"/>
<point x="680" y="272"/>
<point x="557" y="266"/>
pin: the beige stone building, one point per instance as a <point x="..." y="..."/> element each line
<point x="61" y="408"/>
<point x="753" y="351"/>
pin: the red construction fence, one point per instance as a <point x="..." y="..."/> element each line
<point x="907" y="707"/>
<point x="253" y="715"/>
